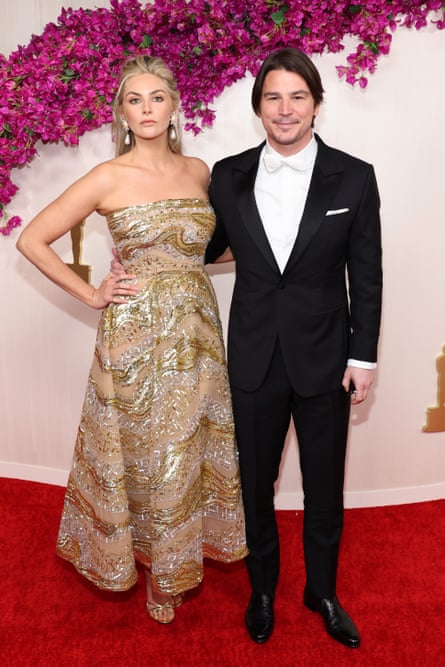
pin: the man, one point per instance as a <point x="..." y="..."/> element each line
<point x="300" y="343"/>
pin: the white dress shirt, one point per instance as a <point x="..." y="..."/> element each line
<point x="281" y="197"/>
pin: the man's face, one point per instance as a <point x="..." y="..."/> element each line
<point x="286" y="111"/>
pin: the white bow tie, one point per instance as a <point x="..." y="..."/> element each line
<point x="274" y="162"/>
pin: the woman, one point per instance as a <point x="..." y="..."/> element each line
<point x="155" y="471"/>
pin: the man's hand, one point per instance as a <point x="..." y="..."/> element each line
<point x="115" y="265"/>
<point x="357" y="381"/>
<point x="227" y="256"/>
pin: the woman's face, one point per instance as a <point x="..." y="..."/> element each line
<point x="147" y="106"/>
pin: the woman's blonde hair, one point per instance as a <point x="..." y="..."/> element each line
<point x="145" y="65"/>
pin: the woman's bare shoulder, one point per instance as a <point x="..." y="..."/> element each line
<point x="199" y="168"/>
<point x="105" y="176"/>
<point x="107" y="170"/>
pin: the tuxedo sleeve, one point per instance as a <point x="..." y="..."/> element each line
<point x="364" y="265"/>
<point x="219" y="241"/>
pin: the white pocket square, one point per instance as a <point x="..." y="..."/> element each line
<point x="337" y="211"/>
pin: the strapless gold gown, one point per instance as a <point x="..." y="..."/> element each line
<point x="155" y="471"/>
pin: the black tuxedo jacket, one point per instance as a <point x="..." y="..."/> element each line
<point x="325" y="306"/>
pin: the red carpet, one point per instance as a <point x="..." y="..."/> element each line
<point x="392" y="580"/>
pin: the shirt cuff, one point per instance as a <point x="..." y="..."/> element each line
<point x="368" y="365"/>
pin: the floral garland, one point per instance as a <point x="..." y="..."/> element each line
<point x="61" y="84"/>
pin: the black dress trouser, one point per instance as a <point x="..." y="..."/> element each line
<point x="262" y="419"/>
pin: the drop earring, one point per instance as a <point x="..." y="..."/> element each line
<point x="172" y="134"/>
<point x="125" y="127"/>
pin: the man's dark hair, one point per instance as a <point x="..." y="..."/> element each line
<point x="291" y="60"/>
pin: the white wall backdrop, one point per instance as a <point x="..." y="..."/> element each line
<point x="47" y="339"/>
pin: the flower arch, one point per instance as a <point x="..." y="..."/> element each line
<point x="61" y="84"/>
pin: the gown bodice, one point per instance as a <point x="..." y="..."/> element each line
<point x="161" y="234"/>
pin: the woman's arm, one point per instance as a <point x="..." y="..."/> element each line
<point x="59" y="217"/>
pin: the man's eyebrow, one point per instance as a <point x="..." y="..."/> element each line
<point x="293" y="92"/>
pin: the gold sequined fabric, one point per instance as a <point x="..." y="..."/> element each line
<point x="155" y="471"/>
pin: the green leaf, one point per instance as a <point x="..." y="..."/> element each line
<point x="6" y="132"/>
<point x="355" y="9"/>
<point x="372" y="46"/>
<point x="68" y="74"/>
<point x="280" y="16"/>
<point x="146" y="42"/>
<point x="197" y="50"/>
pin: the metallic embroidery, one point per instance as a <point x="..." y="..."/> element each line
<point x="155" y="469"/>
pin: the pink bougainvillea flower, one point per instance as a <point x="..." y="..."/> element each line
<point x="62" y="83"/>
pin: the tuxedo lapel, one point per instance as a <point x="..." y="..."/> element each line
<point x="244" y="175"/>
<point x="323" y="187"/>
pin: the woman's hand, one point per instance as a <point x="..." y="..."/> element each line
<point x="114" y="288"/>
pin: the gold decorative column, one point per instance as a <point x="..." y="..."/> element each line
<point x="82" y="270"/>
<point x="435" y="417"/>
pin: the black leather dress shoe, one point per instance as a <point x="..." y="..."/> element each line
<point x="259" y="617"/>
<point x="338" y="624"/>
